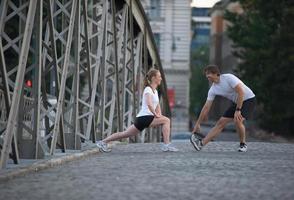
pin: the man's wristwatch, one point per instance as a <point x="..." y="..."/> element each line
<point x="238" y="109"/>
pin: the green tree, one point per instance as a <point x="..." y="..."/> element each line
<point x="263" y="36"/>
<point x="198" y="82"/>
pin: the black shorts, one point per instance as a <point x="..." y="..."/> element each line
<point x="143" y="122"/>
<point x="246" y="110"/>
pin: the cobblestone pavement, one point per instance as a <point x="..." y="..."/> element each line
<point x="142" y="171"/>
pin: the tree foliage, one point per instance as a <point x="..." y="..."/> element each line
<point x="263" y="36"/>
<point x="198" y="82"/>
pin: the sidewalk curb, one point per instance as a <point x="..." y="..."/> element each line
<point x="45" y="164"/>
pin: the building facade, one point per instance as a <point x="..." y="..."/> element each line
<point x="170" y="21"/>
<point x="201" y="27"/>
<point x="221" y="46"/>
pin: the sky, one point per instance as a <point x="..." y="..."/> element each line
<point x="203" y="3"/>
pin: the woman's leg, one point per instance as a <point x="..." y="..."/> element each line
<point x="165" y="128"/>
<point x="131" y="131"/>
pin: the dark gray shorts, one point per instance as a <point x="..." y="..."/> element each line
<point x="246" y="110"/>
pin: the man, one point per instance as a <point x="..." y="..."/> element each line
<point x="243" y="103"/>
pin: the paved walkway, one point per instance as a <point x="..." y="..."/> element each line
<point x="142" y="171"/>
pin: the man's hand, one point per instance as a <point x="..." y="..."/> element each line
<point x="196" y="128"/>
<point x="238" y="116"/>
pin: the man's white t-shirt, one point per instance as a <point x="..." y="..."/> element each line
<point x="226" y="88"/>
<point x="155" y="100"/>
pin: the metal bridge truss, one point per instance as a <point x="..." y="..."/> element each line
<point x="71" y="72"/>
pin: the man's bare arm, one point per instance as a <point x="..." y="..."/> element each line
<point x="203" y="115"/>
<point x="239" y="90"/>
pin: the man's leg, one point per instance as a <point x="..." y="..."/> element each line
<point x="247" y="111"/>
<point x="219" y="126"/>
<point x="241" y="131"/>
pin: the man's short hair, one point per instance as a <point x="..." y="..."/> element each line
<point x="211" y="69"/>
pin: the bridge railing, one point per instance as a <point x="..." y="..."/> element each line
<point x="71" y="72"/>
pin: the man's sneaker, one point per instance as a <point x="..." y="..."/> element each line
<point x="243" y="147"/>
<point x="196" y="142"/>
<point x="102" y="146"/>
<point x="168" y="147"/>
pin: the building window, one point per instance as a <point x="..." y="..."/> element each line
<point x="154" y="8"/>
<point x="202" y="39"/>
<point x="204" y="12"/>
<point x="157" y="40"/>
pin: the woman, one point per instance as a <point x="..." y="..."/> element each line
<point x="149" y="115"/>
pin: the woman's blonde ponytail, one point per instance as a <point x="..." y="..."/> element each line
<point x="151" y="73"/>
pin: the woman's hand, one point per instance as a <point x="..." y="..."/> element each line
<point x="157" y="115"/>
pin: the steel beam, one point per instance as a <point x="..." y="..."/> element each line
<point x="86" y="63"/>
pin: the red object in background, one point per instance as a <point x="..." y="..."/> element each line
<point x="171" y="97"/>
<point x="29" y="83"/>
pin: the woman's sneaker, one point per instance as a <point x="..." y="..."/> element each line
<point x="243" y="147"/>
<point x="102" y="146"/>
<point x="168" y="147"/>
